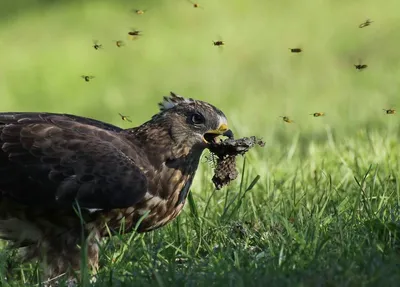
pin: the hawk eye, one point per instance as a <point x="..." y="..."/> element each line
<point x="197" y="119"/>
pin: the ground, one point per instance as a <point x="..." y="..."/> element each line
<point x="326" y="209"/>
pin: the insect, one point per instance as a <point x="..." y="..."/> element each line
<point x="296" y="50"/>
<point x="361" y="66"/>
<point x="390" y="111"/>
<point x="87" y="78"/>
<point x="195" y="5"/>
<point x="139" y="11"/>
<point x="219" y="43"/>
<point x="124" y="118"/>
<point x="96" y="45"/>
<point x="119" y="43"/>
<point x="135" y="33"/>
<point x="365" y="24"/>
<point x="286" y="119"/>
<point x="318" y="114"/>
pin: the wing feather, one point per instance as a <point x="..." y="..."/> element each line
<point x="52" y="160"/>
<point x="11" y="117"/>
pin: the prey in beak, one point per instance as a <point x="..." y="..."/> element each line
<point x="211" y="135"/>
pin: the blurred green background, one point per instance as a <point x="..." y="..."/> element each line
<point x="47" y="45"/>
<point x="307" y="168"/>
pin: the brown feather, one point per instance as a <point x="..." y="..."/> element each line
<point x="50" y="161"/>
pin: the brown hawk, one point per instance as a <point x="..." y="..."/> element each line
<point x="51" y="164"/>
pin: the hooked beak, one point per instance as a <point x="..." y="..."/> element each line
<point x="211" y="135"/>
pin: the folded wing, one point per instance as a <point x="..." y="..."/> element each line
<point x="52" y="160"/>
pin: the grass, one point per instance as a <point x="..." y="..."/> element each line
<point x="326" y="209"/>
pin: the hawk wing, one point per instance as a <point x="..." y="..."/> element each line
<point x="52" y="159"/>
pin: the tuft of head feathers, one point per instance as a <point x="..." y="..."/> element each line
<point x="172" y="101"/>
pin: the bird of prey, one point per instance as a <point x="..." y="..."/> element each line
<point x="54" y="167"/>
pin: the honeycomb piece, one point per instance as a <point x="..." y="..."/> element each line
<point x="225" y="171"/>
<point x="226" y="152"/>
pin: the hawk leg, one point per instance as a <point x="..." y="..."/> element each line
<point x="61" y="256"/>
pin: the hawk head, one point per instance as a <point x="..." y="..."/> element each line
<point x="193" y="122"/>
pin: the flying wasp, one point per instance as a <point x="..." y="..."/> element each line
<point x="139" y="11"/>
<point x="286" y="119"/>
<point x="124" y="118"/>
<point x="361" y="66"/>
<point x="195" y="5"/>
<point x="135" y="33"/>
<point x="96" y="45"/>
<point x="390" y="111"/>
<point x="365" y="24"/>
<point x="219" y="43"/>
<point x="119" y="43"/>
<point x="318" y="114"/>
<point x="87" y="78"/>
<point x="296" y="50"/>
